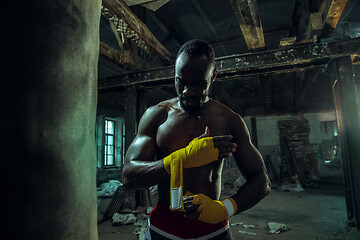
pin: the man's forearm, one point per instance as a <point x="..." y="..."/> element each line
<point x="143" y="174"/>
<point x="249" y="194"/>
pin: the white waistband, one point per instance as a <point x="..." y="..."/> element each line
<point x="168" y="235"/>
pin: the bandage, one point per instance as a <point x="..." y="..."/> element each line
<point x="214" y="211"/>
<point x="199" y="152"/>
<point x="176" y="184"/>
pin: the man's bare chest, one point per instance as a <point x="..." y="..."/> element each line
<point x="178" y="130"/>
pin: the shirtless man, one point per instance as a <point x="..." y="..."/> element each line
<point x="169" y="127"/>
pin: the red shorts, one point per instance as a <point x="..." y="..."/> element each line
<point x="173" y="224"/>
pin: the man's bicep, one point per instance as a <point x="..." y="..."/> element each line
<point x="142" y="148"/>
<point x="144" y="145"/>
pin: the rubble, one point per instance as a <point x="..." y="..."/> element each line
<point x="247" y="233"/>
<point x="277" y="228"/>
<point x="123" y="219"/>
<point x="231" y="180"/>
<point x="292" y="187"/>
<point x="139" y="217"/>
<point x="140" y="233"/>
<point x="108" y="189"/>
<point x="243" y="225"/>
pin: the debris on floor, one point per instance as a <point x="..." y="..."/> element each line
<point x="243" y="225"/>
<point x="138" y="217"/>
<point x="108" y="189"/>
<point x="123" y="219"/>
<point x="248" y="233"/>
<point x="236" y="224"/>
<point x="293" y="185"/>
<point x="276" y="228"/>
<point x="140" y="233"/>
<point x="149" y="210"/>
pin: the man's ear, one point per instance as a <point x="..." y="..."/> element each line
<point x="214" y="74"/>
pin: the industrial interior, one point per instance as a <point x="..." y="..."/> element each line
<point x="290" y="68"/>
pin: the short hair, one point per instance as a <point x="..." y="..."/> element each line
<point x="197" y="47"/>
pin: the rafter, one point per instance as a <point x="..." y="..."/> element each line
<point x="125" y="58"/>
<point x="248" y="17"/>
<point x="127" y="23"/>
<point x="244" y="65"/>
<point x="333" y="16"/>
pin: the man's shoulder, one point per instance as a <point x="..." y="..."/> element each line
<point x="159" y="111"/>
<point x="223" y="110"/>
<point x="162" y="107"/>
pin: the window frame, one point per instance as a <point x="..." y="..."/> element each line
<point x="104" y="162"/>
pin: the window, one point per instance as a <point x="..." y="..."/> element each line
<point x="110" y="137"/>
<point x="109" y="156"/>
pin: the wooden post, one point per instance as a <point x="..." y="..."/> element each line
<point x="254" y="132"/>
<point x="130" y="132"/>
<point x="347" y="103"/>
<point x="134" y="108"/>
<point x="141" y="106"/>
<point x="130" y="115"/>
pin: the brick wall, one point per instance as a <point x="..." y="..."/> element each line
<point x="296" y="131"/>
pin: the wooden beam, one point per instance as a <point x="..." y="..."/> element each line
<point x="128" y="23"/>
<point x="247" y="14"/>
<point x="315" y="24"/>
<point x="332" y="17"/>
<point x="125" y="58"/>
<point x="347" y="99"/>
<point x="287" y="41"/>
<point x="244" y="65"/>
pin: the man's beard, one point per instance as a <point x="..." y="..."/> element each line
<point x="192" y="109"/>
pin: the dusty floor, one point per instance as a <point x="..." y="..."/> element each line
<point x="312" y="214"/>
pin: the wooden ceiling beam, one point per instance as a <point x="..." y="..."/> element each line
<point x="128" y="23"/>
<point x="126" y="58"/>
<point x="298" y="58"/>
<point x="248" y="17"/>
<point x="333" y="16"/>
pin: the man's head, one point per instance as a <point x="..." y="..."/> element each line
<point x="194" y="72"/>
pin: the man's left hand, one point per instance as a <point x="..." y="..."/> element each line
<point x="203" y="208"/>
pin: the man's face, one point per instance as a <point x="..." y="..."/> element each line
<point x="193" y="77"/>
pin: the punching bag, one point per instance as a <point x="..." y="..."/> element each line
<point x="48" y="129"/>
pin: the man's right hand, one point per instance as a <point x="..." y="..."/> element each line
<point x="202" y="150"/>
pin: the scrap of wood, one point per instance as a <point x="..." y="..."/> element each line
<point x="127" y="22"/>
<point x="248" y="17"/>
<point x="316" y="23"/>
<point x="287" y="41"/>
<point x="355" y="59"/>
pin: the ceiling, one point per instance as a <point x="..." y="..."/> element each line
<point x="177" y="21"/>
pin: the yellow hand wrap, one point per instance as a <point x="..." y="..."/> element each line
<point x="214" y="211"/>
<point x="199" y="152"/>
